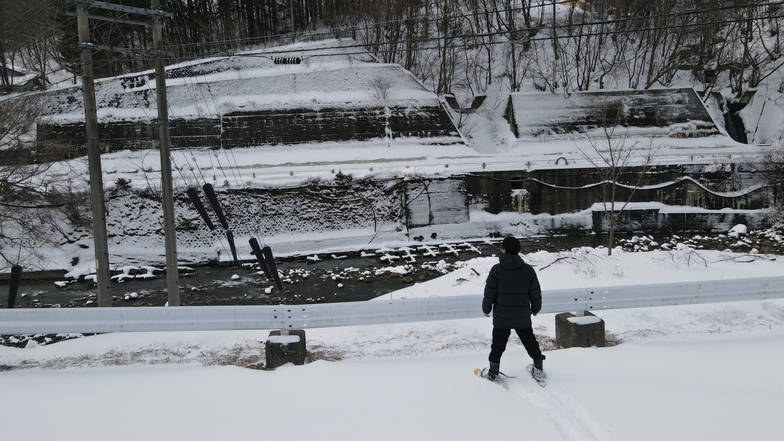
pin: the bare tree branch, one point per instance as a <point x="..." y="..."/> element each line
<point x="613" y="157"/>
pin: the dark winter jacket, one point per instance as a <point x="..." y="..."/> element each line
<point x="512" y="292"/>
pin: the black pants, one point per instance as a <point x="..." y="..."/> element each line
<point x="501" y="337"/>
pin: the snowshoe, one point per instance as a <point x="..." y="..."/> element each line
<point x="537" y="374"/>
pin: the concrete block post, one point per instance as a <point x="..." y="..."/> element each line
<point x="579" y="332"/>
<point x="282" y="349"/>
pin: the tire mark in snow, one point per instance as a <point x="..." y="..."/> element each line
<point x="567" y="414"/>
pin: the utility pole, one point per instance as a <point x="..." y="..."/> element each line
<point x="94" y="154"/>
<point x="169" y="233"/>
<point x="103" y="280"/>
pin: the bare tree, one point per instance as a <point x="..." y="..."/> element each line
<point x="757" y="47"/>
<point x="381" y="86"/>
<point x="33" y="202"/>
<point x="26" y="37"/>
<point x="448" y="29"/>
<point x="613" y="158"/>
<point x="518" y="25"/>
<point x="587" y="44"/>
<point x="478" y="54"/>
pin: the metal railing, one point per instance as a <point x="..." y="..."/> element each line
<point x="284" y="317"/>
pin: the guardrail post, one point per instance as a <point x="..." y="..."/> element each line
<point x="285" y="348"/>
<point x="286" y="345"/>
<point x="582" y="331"/>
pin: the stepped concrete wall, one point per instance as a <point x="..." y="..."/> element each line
<point x="248" y="129"/>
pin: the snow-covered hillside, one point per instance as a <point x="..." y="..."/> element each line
<point x="332" y="73"/>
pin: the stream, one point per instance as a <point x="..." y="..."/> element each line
<point x="340" y="277"/>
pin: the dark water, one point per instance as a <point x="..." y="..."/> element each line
<point x="352" y="276"/>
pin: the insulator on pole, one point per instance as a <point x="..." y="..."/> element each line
<point x="230" y="238"/>
<point x="210" y="192"/>
<point x="273" y="269"/>
<point x="254" y="245"/>
<point x="193" y="195"/>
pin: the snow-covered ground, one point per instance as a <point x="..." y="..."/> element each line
<point x="707" y="372"/>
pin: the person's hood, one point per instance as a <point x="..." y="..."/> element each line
<point x="510" y="261"/>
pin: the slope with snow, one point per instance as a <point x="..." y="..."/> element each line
<point x="708" y="372"/>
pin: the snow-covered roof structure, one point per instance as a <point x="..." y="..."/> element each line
<point x="677" y="113"/>
<point x="22" y="80"/>
<point x="316" y="91"/>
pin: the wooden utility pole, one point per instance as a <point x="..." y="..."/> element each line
<point x="170" y="235"/>
<point x="103" y="279"/>
<point x="93" y="152"/>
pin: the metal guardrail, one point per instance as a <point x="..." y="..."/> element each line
<point x="205" y="318"/>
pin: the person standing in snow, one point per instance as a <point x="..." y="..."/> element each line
<point x="513" y="294"/>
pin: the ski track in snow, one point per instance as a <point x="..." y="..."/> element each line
<point x="567" y="414"/>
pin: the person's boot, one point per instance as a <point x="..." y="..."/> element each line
<point x="538" y="363"/>
<point x="538" y="370"/>
<point x="492" y="373"/>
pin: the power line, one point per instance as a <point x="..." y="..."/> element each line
<point x="554" y="26"/>
<point x="465" y="41"/>
<point x="364" y="51"/>
<point x="34" y="11"/>
<point x="465" y="15"/>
